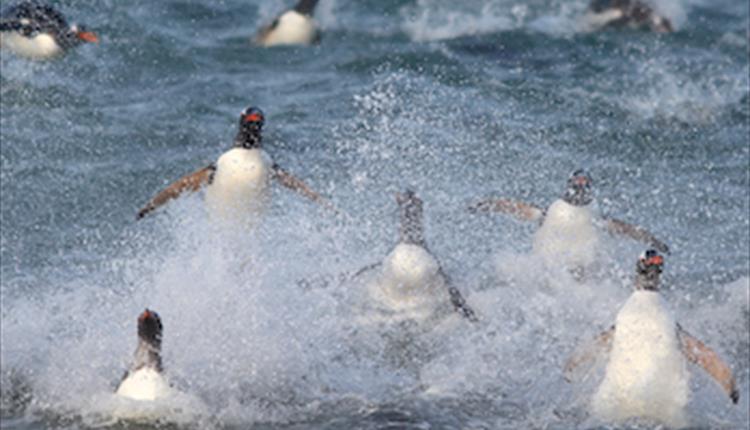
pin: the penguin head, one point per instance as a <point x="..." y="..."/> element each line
<point x="306" y="7"/>
<point x="252" y="118"/>
<point x="251" y="124"/>
<point x="411" y="217"/>
<point x="579" y="189"/>
<point x="648" y="269"/>
<point x="82" y="34"/>
<point x="150" y="328"/>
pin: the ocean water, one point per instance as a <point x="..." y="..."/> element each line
<point x="456" y="100"/>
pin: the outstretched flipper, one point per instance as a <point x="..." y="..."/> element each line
<point x="265" y="31"/>
<point x="601" y="344"/>
<point x="192" y="182"/>
<point x="697" y="352"/>
<point x="520" y="210"/>
<point x="458" y="301"/>
<point x="290" y="181"/>
<point x="363" y="270"/>
<point x="615" y="226"/>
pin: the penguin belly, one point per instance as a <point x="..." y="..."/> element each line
<point x="594" y="20"/>
<point x="409" y="283"/>
<point x="567" y="236"/>
<point x="238" y="193"/>
<point x="293" y="28"/>
<point x="144" y="384"/>
<point x="40" y="46"/>
<point x="646" y="375"/>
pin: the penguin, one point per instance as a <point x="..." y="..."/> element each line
<point x="568" y="233"/>
<point x="145" y="379"/>
<point x="39" y="31"/>
<point x="411" y="282"/>
<point x="646" y="375"/>
<point x="236" y="185"/>
<point x="626" y="13"/>
<point x="293" y="27"/>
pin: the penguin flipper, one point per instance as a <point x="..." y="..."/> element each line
<point x="584" y="355"/>
<point x="697" y="352"/>
<point x="458" y="301"/>
<point x="459" y="304"/>
<point x="124" y="377"/>
<point x="616" y="226"/>
<point x="192" y="182"/>
<point x="293" y="183"/>
<point x="521" y="210"/>
<point x="363" y="270"/>
<point x="263" y="33"/>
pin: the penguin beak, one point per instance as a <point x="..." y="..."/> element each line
<point x="87" y="36"/>
<point x="253" y="117"/>
<point x="656" y="260"/>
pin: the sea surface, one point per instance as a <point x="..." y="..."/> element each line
<point x="458" y="101"/>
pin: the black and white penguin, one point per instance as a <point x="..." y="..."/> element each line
<point x="293" y="27"/>
<point x="411" y="284"/>
<point x="38" y="31"/>
<point x="237" y="184"/>
<point x="646" y="375"/>
<point x="569" y="228"/>
<point x="626" y="13"/>
<point x="145" y="380"/>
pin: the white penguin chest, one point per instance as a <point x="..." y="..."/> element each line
<point x="568" y="234"/>
<point x="38" y="47"/>
<point x="144" y="384"/>
<point x="595" y="20"/>
<point x="293" y="28"/>
<point x="240" y="183"/>
<point x="645" y="335"/>
<point x="410" y="282"/>
<point x="646" y="375"/>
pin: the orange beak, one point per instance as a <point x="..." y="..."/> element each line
<point x="87" y="36"/>
<point x="253" y="117"/>
<point x="145" y="315"/>
<point x="657" y="259"/>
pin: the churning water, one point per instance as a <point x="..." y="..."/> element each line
<point x="457" y="100"/>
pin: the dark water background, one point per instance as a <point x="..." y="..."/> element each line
<point x="458" y="100"/>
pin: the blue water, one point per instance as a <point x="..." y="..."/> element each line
<point x="457" y="100"/>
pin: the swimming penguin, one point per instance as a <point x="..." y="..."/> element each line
<point x="293" y="27"/>
<point x="144" y="380"/>
<point x="568" y="232"/>
<point x="626" y="13"/>
<point x="39" y="32"/>
<point x="237" y="184"/>
<point x="647" y="376"/>
<point x="411" y="282"/>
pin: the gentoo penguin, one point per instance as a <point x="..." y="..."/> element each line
<point x="237" y="184"/>
<point x="626" y="13"/>
<point x="568" y="232"/>
<point x="411" y="282"/>
<point x="647" y="376"/>
<point x="144" y="380"/>
<point x="39" y="31"/>
<point x="293" y="27"/>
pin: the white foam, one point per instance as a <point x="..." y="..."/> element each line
<point x="431" y="22"/>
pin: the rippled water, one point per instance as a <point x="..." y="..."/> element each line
<point x="458" y="100"/>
